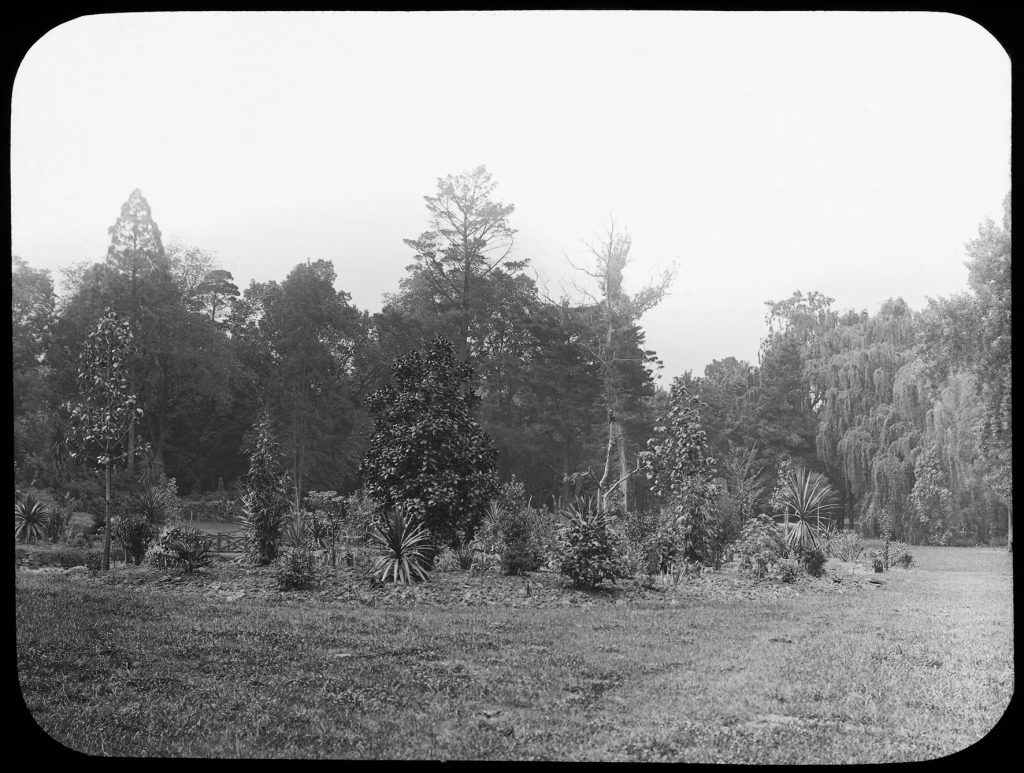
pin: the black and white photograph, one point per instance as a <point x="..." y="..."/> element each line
<point x="580" y="385"/>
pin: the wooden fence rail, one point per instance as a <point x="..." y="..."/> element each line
<point x="225" y="542"/>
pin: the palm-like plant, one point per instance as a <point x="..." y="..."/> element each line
<point x="811" y="499"/>
<point x="188" y="548"/>
<point x="404" y="548"/>
<point x="62" y="457"/>
<point x="150" y="504"/>
<point x="31" y="517"/>
<point x="295" y="530"/>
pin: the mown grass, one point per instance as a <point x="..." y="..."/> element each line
<point x="916" y="669"/>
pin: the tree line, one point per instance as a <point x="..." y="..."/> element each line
<point x="906" y="412"/>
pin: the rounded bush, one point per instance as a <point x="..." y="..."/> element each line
<point x="520" y="558"/>
<point x="590" y="551"/>
<point x="94" y="562"/>
<point x="135" y="532"/>
<point x="789" y="570"/>
<point x="760" y="545"/>
<point x="814" y="562"/>
<point x="295" y="568"/>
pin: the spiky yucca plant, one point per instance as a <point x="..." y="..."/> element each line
<point x="811" y="499"/>
<point x="405" y="549"/>
<point x="31" y="517"/>
<point x="295" y="530"/>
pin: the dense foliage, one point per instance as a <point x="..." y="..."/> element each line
<point x="682" y="472"/>
<point x="427" y="451"/>
<point x="590" y="550"/>
<point x="179" y="546"/>
<point x="521" y="534"/>
<point x="265" y="496"/>
<point x="761" y="545"/>
<point x="104" y="415"/>
<point x="153" y="358"/>
<point x="296" y="567"/>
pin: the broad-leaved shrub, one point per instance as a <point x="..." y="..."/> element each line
<point x="760" y="545"/>
<point x="296" y="567"/>
<point x="521" y="558"/>
<point x="590" y="551"/>
<point x="134" y="531"/>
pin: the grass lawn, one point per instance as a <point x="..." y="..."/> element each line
<point x="917" y="668"/>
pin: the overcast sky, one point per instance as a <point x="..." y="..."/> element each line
<point x="850" y="153"/>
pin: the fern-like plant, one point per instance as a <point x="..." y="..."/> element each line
<point x="31" y="517"/>
<point x="405" y="550"/>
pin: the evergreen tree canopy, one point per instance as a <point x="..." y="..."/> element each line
<point x="427" y="450"/>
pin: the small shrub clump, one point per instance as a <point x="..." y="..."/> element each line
<point x="464" y="553"/>
<point x="520" y="559"/>
<point x="904" y="560"/>
<point x="94" y="562"/>
<point x="788" y="569"/>
<point x="134" y="531"/>
<point x="512" y="526"/>
<point x="445" y="560"/>
<point x="760" y="546"/>
<point x="875" y="559"/>
<point x="179" y="547"/>
<point x="846" y="546"/>
<point x="900" y="556"/>
<point x="589" y="550"/>
<point x="654" y="545"/>
<point x="813" y="561"/>
<point x="296" y="567"/>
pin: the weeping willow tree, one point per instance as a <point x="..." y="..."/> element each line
<point x="951" y="430"/>
<point x="971" y="333"/>
<point x="931" y="501"/>
<point x="867" y="393"/>
<point x="892" y="472"/>
<point x="880" y="409"/>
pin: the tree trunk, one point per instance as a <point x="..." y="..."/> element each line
<point x="131" y="447"/>
<point x="565" y="470"/>
<point x="161" y="434"/>
<point x="299" y="463"/>
<point x="161" y="419"/>
<point x="602" y="485"/>
<point x="623" y="466"/>
<point x="106" y="521"/>
<point x="1009" y="527"/>
<point x="463" y="344"/>
<point x="297" y="470"/>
